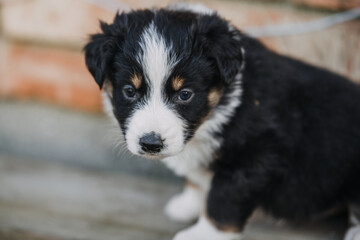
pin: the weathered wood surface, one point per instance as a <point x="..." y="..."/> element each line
<point x="46" y="201"/>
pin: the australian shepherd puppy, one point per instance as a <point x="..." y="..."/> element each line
<point x="245" y="126"/>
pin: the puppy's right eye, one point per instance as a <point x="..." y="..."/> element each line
<point x="129" y="92"/>
<point x="185" y="95"/>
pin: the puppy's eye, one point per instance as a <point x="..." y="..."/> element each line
<point x="185" y="95"/>
<point x="129" y="92"/>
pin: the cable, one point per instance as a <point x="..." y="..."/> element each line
<point x="303" y="27"/>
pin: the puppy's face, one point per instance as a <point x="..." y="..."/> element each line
<point x="164" y="72"/>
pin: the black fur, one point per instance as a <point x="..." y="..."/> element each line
<point x="293" y="145"/>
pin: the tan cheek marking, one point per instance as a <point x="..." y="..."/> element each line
<point x="177" y="83"/>
<point x="136" y="81"/>
<point x="214" y="97"/>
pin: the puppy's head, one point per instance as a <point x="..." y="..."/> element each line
<point x="164" y="72"/>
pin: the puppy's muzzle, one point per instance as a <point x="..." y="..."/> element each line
<point x="151" y="143"/>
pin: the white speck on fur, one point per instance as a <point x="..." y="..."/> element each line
<point x="353" y="233"/>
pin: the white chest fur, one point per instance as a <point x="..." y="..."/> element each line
<point x="194" y="160"/>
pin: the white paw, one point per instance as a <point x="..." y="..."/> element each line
<point x="186" y="206"/>
<point x="204" y="230"/>
<point x="353" y="233"/>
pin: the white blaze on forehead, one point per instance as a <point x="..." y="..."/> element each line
<point x="154" y="115"/>
<point x="155" y="58"/>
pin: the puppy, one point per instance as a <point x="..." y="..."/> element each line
<point x="245" y="126"/>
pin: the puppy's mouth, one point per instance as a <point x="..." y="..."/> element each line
<point x="157" y="155"/>
<point x="153" y="145"/>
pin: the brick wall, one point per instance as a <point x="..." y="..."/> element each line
<point x="329" y="4"/>
<point x="41" y="42"/>
<point x="41" y="53"/>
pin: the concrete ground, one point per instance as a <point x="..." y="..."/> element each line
<point x="60" y="179"/>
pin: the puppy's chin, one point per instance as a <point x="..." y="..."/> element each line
<point x="157" y="156"/>
<point x="153" y="156"/>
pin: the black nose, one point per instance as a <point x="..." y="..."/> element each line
<point x="151" y="143"/>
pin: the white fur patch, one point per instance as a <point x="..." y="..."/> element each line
<point x="203" y="229"/>
<point x="353" y="233"/>
<point x="354" y="220"/>
<point x="186" y="206"/>
<point x="354" y="214"/>
<point x="154" y="115"/>
<point x="155" y="59"/>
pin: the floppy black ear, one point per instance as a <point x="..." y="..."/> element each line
<point x="222" y="41"/>
<point x="101" y="48"/>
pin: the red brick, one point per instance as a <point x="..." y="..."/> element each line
<point x="53" y="75"/>
<point x="3" y="60"/>
<point x="66" y="22"/>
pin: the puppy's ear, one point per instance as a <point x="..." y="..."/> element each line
<point x="222" y="42"/>
<point x="101" y="48"/>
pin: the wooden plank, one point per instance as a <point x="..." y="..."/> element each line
<point x="47" y="201"/>
<point x="76" y="203"/>
<point x="16" y="234"/>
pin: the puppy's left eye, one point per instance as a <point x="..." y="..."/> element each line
<point x="129" y="92"/>
<point x="185" y="95"/>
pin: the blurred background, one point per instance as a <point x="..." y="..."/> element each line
<point x="60" y="175"/>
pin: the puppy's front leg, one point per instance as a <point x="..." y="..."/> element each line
<point x="186" y="206"/>
<point x="232" y="198"/>
<point x="189" y="204"/>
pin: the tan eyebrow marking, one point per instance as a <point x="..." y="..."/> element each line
<point x="177" y="83"/>
<point x="136" y="80"/>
